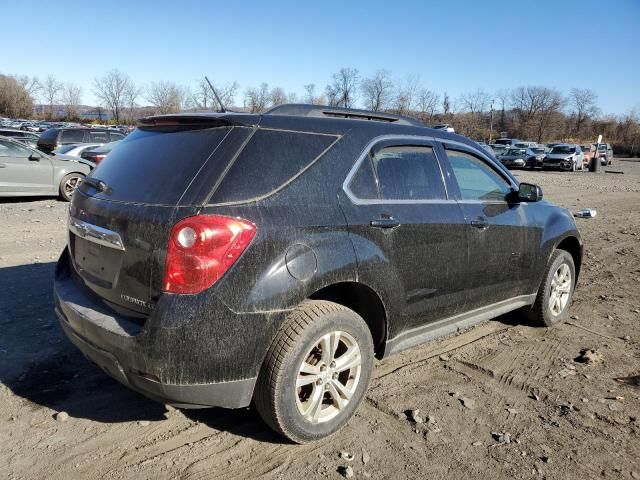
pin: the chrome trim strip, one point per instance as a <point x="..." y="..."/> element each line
<point x="95" y="234"/>
<point x="403" y="138"/>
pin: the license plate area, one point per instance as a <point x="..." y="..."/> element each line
<point x="96" y="263"/>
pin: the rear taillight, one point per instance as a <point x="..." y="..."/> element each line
<point x="98" y="158"/>
<point x="201" y="249"/>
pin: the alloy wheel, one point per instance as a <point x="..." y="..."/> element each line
<point x="560" y="289"/>
<point x="328" y="377"/>
<point x="71" y="184"/>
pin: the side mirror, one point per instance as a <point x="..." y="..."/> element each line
<point x="34" y="157"/>
<point x="529" y="192"/>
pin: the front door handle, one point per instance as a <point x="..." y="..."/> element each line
<point x="2" y="165"/>
<point x="389" y="222"/>
<point x="480" y="223"/>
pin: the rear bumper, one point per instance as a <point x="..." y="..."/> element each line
<point x="234" y="394"/>
<point x="179" y="355"/>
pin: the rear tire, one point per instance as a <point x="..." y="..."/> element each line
<point x="556" y="291"/>
<point x="316" y="372"/>
<point x="68" y="185"/>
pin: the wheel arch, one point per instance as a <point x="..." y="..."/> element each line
<point x="363" y="300"/>
<point x="572" y="245"/>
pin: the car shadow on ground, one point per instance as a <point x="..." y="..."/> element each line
<point x="39" y="364"/>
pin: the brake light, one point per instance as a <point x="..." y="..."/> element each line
<point x="98" y="158"/>
<point x="201" y="249"/>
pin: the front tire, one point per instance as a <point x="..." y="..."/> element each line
<point x="68" y="185"/>
<point x="556" y="290"/>
<point x="316" y="372"/>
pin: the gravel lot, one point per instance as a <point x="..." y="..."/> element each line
<point x="504" y="399"/>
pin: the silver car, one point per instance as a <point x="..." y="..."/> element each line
<point x="564" y="157"/>
<point x="25" y="171"/>
<point x="74" y="149"/>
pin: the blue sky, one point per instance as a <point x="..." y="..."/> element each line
<point x="454" y="46"/>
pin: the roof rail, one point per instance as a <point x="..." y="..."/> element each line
<point x="306" y="110"/>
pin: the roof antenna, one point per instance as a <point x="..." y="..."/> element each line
<point x="222" y="109"/>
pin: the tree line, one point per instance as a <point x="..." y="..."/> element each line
<point x="536" y="113"/>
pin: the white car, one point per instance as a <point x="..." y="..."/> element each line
<point x="564" y="157"/>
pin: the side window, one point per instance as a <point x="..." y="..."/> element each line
<point x="73" y="136"/>
<point x="363" y="184"/>
<point x="477" y="180"/>
<point x="9" y="149"/>
<point x="98" y="137"/>
<point x="408" y="173"/>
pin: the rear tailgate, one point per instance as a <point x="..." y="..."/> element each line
<point x="118" y="235"/>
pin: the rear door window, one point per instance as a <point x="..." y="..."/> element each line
<point x="408" y="173"/>
<point x="72" y="136"/>
<point x="98" y="137"/>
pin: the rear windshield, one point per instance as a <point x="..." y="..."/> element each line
<point x="269" y="160"/>
<point x="156" y="167"/>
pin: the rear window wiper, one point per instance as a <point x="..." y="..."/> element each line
<point x="99" y="185"/>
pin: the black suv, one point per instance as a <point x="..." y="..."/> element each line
<point x="55" y="137"/>
<point x="217" y="259"/>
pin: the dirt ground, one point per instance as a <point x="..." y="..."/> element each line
<point x="564" y="419"/>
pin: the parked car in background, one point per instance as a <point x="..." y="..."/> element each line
<point x="74" y="149"/>
<point x="564" y="157"/>
<point x="184" y="280"/>
<point x="28" y="138"/>
<point x="498" y="149"/>
<point x="97" y="154"/>
<point x="26" y="171"/>
<point x="525" y="144"/>
<point x="588" y="150"/>
<point x="535" y="156"/>
<point x="605" y="153"/>
<point x="507" y="141"/>
<point x="514" y="158"/>
<point x="486" y="148"/>
<point x="55" y="137"/>
<point x="444" y="127"/>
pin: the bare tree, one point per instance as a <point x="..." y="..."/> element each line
<point x="446" y="105"/>
<point x="110" y="91"/>
<point x="537" y="110"/>
<point x="277" y="96"/>
<point x="377" y="90"/>
<point x="405" y="98"/>
<point x="257" y="99"/>
<point x="130" y="100"/>
<point x="202" y="98"/>
<point x="426" y="104"/>
<point x="474" y="102"/>
<point x="583" y="104"/>
<point x="15" y="100"/>
<point x="72" y="98"/>
<point x="310" y="93"/>
<point x="504" y="96"/>
<point x="341" y="92"/>
<point x="166" y="97"/>
<point x="52" y="89"/>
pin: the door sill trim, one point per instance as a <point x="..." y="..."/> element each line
<point x="446" y="326"/>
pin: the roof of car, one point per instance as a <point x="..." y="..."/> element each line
<point x="311" y="118"/>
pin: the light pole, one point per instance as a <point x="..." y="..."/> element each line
<point x="491" y="124"/>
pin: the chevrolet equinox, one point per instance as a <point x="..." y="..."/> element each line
<point x="223" y="259"/>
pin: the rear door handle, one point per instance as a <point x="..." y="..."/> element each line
<point x="385" y="223"/>
<point x="2" y="165"/>
<point x="480" y="223"/>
